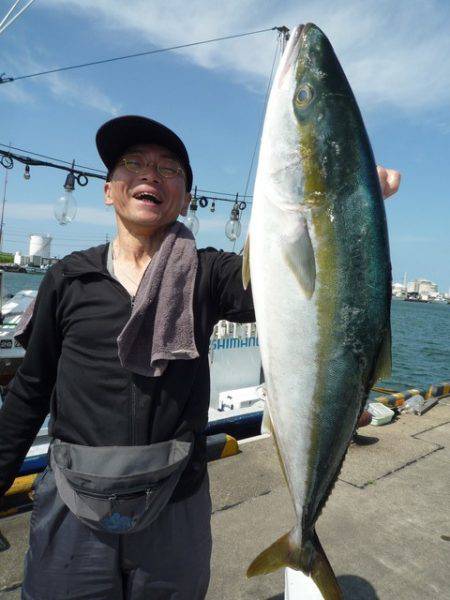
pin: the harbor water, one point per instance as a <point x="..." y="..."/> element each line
<point x="420" y="337"/>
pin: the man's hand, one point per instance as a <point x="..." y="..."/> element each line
<point x="389" y="181"/>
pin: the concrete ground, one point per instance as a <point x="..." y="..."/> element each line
<point x="385" y="528"/>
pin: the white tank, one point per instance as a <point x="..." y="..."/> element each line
<point x="18" y="258"/>
<point x="40" y="245"/>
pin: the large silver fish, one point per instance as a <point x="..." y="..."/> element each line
<point x="318" y="257"/>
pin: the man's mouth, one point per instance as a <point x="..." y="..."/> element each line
<point x="147" y="197"/>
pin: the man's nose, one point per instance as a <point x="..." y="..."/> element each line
<point x="151" y="172"/>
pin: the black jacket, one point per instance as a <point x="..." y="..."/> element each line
<point x="71" y="368"/>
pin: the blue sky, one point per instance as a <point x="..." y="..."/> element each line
<point x="395" y="54"/>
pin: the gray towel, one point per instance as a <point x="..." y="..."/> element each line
<point x="161" y="326"/>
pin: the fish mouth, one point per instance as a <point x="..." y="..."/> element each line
<point x="295" y="43"/>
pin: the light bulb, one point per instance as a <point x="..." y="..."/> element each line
<point x="191" y="221"/>
<point x="65" y="207"/>
<point x="233" y="226"/>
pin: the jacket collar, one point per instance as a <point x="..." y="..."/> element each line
<point x="82" y="262"/>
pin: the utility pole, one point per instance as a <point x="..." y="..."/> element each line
<point x="1" y="242"/>
<point x="5" y="185"/>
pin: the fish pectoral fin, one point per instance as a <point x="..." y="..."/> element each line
<point x="310" y="559"/>
<point x="299" y="255"/>
<point x="383" y="367"/>
<point x="246" y="263"/>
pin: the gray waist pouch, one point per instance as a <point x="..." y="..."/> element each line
<point x="118" y="489"/>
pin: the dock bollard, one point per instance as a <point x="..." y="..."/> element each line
<point x="18" y="498"/>
<point x="398" y="399"/>
<point x="221" y="445"/>
<point x="22" y="485"/>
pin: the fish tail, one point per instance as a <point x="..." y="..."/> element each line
<point x="322" y="572"/>
<point x="282" y="553"/>
<point x="310" y="559"/>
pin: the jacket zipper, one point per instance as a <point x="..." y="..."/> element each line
<point x="134" y="492"/>
<point x="122" y="289"/>
<point x="133" y="395"/>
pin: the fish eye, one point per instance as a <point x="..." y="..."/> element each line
<point x="304" y="95"/>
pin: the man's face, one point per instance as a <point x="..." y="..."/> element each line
<point x="147" y="201"/>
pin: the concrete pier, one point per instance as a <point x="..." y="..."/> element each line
<point x="385" y="528"/>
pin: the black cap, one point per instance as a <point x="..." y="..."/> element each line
<point x="117" y="135"/>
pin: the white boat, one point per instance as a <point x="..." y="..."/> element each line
<point x="11" y="352"/>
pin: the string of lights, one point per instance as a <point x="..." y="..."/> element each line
<point x="65" y="208"/>
<point x="85" y="169"/>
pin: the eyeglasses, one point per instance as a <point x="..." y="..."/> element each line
<point x="166" y="167"/>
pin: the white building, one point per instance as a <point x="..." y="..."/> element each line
<point x="426" y="287"/>
<point x="398" y="289"/>
<point x="40" y="245"/>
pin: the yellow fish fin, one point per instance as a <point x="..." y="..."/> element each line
<point x="282" y="553"/>
<point x="310" y="559"/>
<point x="384" y="361"/>
<point x="322" y="573"/>
<point x="246" y="263"/>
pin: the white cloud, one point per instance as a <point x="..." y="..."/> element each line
<point x="394" y="53"/>
<point x="12" y="93"/>
<point x="61" y="86"/>
<point x="44" y="211"/>
<point x="89" y="95"/>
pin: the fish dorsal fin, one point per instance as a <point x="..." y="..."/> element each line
<point x="246" y="263"/>
<point x="383" y="367"/>
<point x="298" y="252"/>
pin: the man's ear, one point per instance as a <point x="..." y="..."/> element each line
<point x="186" y="202"/>
<point x="107" y="193"/>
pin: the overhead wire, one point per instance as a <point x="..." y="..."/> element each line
<point x="135" y="55"/>
<point x="263" y="112"/>
<point x="281" y="30"/>
<point x="60" y="160"/>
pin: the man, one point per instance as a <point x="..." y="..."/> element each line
<point x="72" y="369"/>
